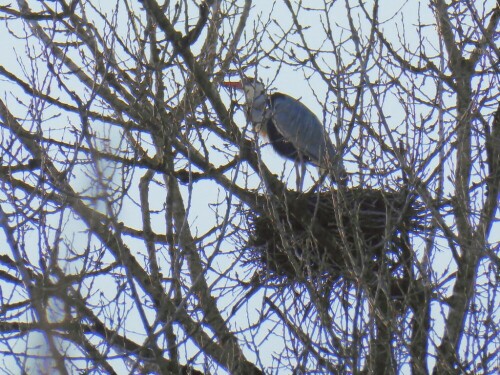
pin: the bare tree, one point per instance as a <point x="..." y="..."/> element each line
<point x="147" y="229"/>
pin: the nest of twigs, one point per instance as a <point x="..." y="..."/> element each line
<point x="334" y="234"/>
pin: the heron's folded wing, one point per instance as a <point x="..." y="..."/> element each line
<point x="299" y="126"/>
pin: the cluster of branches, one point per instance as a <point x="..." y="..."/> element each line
<point x="128" y="190"/>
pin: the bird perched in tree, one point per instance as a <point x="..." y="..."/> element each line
<point x="293" y="130"/>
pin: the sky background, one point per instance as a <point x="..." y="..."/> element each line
<point x="207" y="202"/>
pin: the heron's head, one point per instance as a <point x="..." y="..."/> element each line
<point x="255" y="95"/>
<point x="252" y="88"/>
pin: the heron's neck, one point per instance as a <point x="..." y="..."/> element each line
<point x="257" y="111"/>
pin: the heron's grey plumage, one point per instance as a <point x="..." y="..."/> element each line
<point x="294" y="130"/>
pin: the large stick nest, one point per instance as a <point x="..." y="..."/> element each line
<point x="334" y="234"/>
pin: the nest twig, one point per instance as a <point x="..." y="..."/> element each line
<point x="334" y="234"/>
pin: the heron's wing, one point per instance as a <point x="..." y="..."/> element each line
<point x="299" y="126"/>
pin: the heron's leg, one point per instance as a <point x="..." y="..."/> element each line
<point x="300" y="171"/>
<point x="297" y="176"/>
<point x="302" y="174"/>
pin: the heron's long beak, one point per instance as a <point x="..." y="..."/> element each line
<point x="233" y="85"/>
